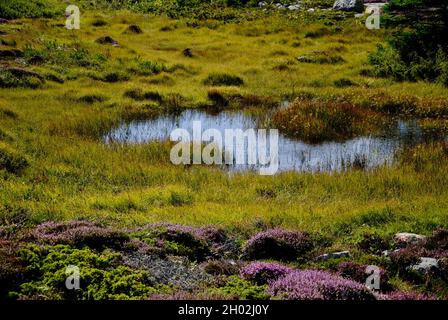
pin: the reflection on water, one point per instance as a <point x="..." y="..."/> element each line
<point x="365" y="151"/>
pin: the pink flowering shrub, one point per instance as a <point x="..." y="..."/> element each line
<point x="318" y="285"/>
<point x="78" y="234"/>
<point x="278" y="244"/>
<point x="194" y="242"/>
<point x="401" y="295"/>
<point x="264" y="272"/>
<point x="357" y="272"/>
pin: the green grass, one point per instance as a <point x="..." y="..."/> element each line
<point x="73" y="175"/>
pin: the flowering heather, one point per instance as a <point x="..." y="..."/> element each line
<point x="79" y="233"/>
<point x="186" y="295"/>
<point x="401" y="295"/>
<point x="318" y="285"/>
<point x="209" y="233"/>
<point x="357" y="272"/>
<point x="264" y="272"/>
<point x="196" y="242"/>
<point x="278" y="244"/>
<point x="438" y="240"/>
<point x="176" y="239"/>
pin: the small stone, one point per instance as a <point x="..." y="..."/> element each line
<point x="404" y="239"/>
<point x="311" y="10"/>
<point x="294" y="7"/>
<point x="349" y="5"/>
<point x="279" y="6"/>
<point x="333" y="255"/>
<point x="262" y="4"/>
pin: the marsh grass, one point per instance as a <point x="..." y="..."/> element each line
<point x="72" y="174"/>
<point x="315" y="121"/>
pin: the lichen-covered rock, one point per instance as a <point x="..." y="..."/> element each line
<point x="333" y="255"/>
<point x="404" y="239"/>
<point x="426" y="265"/>
<point x="349" y="5"/>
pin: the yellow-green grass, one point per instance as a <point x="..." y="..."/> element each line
<point x="72" y="174"/>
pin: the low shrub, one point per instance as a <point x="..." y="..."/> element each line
<point x="372" y="243"/>
<point x="357" y="272"/>
<point x="344" y="82"/>
<point x="236" y="288"/>
<point x="92" y="98"/>
<point x="147" y="68"/>
<point x="11" y="160"/>
<point x="79" y="234"/>
<point x="221" y="267"/>
<point x="223" y="79"/>
<point x="29" y="9"/>
<point x="402" y="259"/>
<point x="114" y="76"/>
<point x="20" y="78"/>
<point x="173" y="239"/>
<point x="318" y="285"/>
<point x="403" y="295"/>
<point x="316" y="121"/>
<point x="101" y="276"/>
<point x="12" y="269"/>
<point x="278" y="244"/>
<point x="263" y="272"/>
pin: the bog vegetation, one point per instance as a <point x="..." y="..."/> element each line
<point x="140" y="227"/>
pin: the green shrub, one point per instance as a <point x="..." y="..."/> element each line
<point x="11" y="160"/>
<point x="11" y="79"/>
<point x="29" y="9"/>
<point x="236" y="288"/>
<point x="101" y="277"/>
<point x="317" y="121"/>
<point x="223" y="79"/>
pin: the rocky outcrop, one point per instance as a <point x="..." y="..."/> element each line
<point x="404" y="239"/>
<point x="426" y="265"/>
<point x="349" y="5"/>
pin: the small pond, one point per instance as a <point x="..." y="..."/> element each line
<point x="366" y="152"/>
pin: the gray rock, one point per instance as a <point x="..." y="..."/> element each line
<point x="333" y="255"/>
<point x="349" y="5"/>
<point x="311" y="10"/>
<point x="404" y="239"/>
<point x="262" y="4"/>
<point x="387" y="253"/>
<point x="305" y="59"/>
<point x="177" y="271"/>
<point x="294" y="7"/>
<point x="426" y="265"/>
<point x="279" y="6"/>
